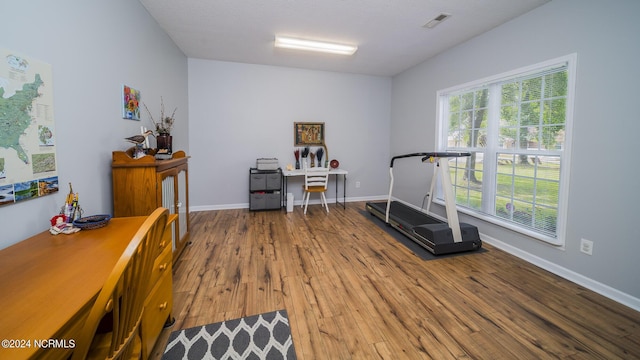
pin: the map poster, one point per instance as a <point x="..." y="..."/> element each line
<point x="27" y="131"/>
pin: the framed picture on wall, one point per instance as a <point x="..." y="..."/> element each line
<point x="308" y="133"/>
<point x="130" y="103"/>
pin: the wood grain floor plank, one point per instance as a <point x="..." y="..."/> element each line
<point x="353" y="292"/>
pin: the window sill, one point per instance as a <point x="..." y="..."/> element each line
<point x="557" y="242"/>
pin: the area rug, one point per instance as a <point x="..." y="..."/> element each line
<point x="263" y="336"/>
<point x="413" y="246"/>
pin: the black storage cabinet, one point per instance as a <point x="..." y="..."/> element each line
<point x="265" y="189"/>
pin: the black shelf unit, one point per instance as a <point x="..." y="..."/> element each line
<point x="265" y="189"/>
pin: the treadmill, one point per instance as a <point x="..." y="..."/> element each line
<point x="437" y="236"/>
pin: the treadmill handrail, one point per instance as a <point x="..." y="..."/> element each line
<point x="425" y="157"/>
<point x="428" y="155"/>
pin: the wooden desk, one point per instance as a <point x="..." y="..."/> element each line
<point x="48" y="284"/>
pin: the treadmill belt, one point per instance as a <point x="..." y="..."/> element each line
<point x="404" y="214"/>
<point x="429" y="232"/>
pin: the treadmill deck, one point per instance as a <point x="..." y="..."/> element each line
<point x="429" y="232"/>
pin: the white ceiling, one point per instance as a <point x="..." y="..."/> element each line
<point x="389" y="33"/>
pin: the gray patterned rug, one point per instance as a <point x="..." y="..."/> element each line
<point x="264" y="336"/>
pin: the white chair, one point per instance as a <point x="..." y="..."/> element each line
<point x="315" y="181"/>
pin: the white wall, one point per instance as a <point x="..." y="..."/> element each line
<point x="93" y="47"/>
<point x="603" y="193"/>
<point x="241" y="112"/>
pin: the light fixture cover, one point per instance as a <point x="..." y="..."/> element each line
<point x="312" y="45"/>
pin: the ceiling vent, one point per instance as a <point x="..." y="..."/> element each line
<point x="437" y="20"/>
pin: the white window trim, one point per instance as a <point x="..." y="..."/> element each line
<point x="563" y="198"/>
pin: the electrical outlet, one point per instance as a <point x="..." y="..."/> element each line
<point x="357" y="184"/>
<point x="586" y="246"/>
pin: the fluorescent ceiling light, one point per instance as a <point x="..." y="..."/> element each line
<point x="300" y="44"/>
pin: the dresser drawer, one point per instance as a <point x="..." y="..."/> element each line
<point x="157" y="310"/>
<point x="257" y="182"/>
<point x="66" y="341"/>
<point x="67" y="337"/>
<point x="273" y="201"/>
<point x="161" y="266"/>
<point x="165" y="243"/>
<point x="274" y="181"/>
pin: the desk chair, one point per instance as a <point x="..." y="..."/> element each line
<point x="120" y="303"/>
<point x="315" y="181"/>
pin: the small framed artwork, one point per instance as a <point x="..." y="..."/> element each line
<point x="308" y="133"/>
<point x="130" y="103"/>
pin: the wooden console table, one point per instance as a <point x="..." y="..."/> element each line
<point x="49" y="283"/>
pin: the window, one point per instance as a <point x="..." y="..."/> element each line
<point x="517" y="127"/>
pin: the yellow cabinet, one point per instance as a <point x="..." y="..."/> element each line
<point x="144" y="184"/>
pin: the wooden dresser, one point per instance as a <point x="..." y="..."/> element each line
<point x="49" y="283"/>
<point x="144" y="184"/>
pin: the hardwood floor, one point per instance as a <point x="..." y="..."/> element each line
<point x="353" y="292"/>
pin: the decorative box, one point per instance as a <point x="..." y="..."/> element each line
<point x="267" y="164"/>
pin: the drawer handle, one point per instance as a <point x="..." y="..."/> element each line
<point x="163" y="305"/>
<point x="163" y="267"/>
<point x="162" y="244"/>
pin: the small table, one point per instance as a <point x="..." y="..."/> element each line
<point x="335" y="172"/>
<point x="49" y="284"/>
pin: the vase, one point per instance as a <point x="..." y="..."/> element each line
<point x="164" y="142"/>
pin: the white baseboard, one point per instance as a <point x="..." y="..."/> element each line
<point x="314" y="201"/>
<point x="218" y="207"/>
<point x="602" y="289"/>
